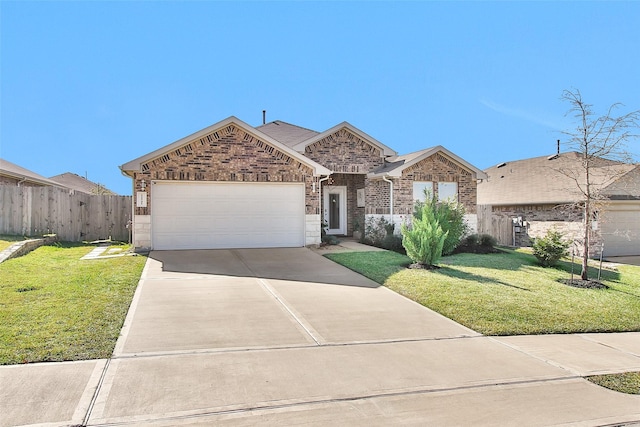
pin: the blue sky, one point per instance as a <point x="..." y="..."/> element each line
<point x="88" y="86"/>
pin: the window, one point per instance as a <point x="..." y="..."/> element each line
<point x="419" y="188"/>
<point x="447" y="191"/>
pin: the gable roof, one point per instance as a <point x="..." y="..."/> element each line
<point x="397" y="164"/>
<point x="385" y="151"/>
<point x="288" y="134"/>
<point x="79" y="183"/>
<point x="552" y="180"/>
<point x="18" y="172"/>
<point x="136" y="164"/>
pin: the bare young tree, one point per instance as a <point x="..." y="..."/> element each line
<point x="601" y="142"/>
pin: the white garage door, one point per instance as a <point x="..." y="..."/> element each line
<point x="227" y="215"/>
<point x="621" y="233"/>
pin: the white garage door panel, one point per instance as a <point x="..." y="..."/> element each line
<point x="227" y="215"/>
<point x="621" y="233"/>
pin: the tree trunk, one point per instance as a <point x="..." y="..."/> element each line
<point x="584" y="275"/>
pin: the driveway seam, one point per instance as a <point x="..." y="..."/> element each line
<point x="265" y="284"/>
<point x="94" y="398"/>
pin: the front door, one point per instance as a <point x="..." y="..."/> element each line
<point x="335" y="210"/>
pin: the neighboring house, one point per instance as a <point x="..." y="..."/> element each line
<point x="539" y="194"/>
<point x="79" y="183"/>
<point x="232" y="185"/>
<point x="12" y="174"/>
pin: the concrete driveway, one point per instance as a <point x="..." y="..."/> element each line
<point x="287" y="337"/>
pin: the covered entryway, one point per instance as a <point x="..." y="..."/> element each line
<point x="335" y="209"/>
<point x="621" y="232"/>
<point x="219" y="215"/>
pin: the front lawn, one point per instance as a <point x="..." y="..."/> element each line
<point x="6" y="241"/>
<point x="627" y="382"/>
<point x="508" y="293"/>
<point x="55" y="306"/>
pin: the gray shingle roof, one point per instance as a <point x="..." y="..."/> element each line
<point x="399" y="161"/>
<point x="78" y="183"/>
<point x="552" y="180"/>
<point x="11" y="169"/>
<point x="394" y="166"/>
<point x="286" y="133"/>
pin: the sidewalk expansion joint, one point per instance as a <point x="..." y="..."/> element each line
<point x="278" y="406"/>
<point x="193" y="352"/>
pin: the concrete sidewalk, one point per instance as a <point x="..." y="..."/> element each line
<point x="284" y="337"/>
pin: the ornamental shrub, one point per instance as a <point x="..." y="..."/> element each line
<point x="550" y="248"/>
<point x="425" y="239"/>
<point x="450" y="216"/>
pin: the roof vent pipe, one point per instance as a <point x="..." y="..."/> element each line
<point x="558" y="146"/>
<point x="264" y="117"/>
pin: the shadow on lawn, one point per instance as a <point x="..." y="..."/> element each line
<point x="451" y="272"/>
<point x="592" y="272"/>
<point x="505" y="259"/>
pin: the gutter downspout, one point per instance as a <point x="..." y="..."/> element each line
<point x="384" y="178"/>
<point x="24" y="178"/>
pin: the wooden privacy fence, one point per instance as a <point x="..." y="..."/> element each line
<point x="73" y="216"/>
<point x="499" y="227"/>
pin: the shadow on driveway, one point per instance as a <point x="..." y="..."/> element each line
<point x="295" y="264"/>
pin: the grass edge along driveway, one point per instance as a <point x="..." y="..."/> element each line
<point x="55" y="306"/>
<point x="508" y="293"/>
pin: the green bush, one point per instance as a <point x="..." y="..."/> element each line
<point x="487" y="240"/>
<point x="450" y="216"/>
<point x="425" y="239"/>
<point x="393" y="242"/>
<point x="550" y="248"/>
<point x="477" y="244"/>
<point x="471" y="240"/>
<point x="376" y="229"/>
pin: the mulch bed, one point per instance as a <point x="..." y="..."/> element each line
<point x="585" y="284"/>
<point x="418" y="266"/>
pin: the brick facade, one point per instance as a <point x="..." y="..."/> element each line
<point x="435" y="168"/>
<point x="232" y="152"/>
<point x="229" y="154"/>
<point x="344" y="152"/>
<point x="542" y="218"/>
<point x="539" y="219"/>
<point x="8" y="180"/>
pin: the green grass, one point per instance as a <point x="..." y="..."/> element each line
<point x="628" y="382"/>
<point x="6" y="241"/>
<point x="508" y="293"/>
<point x="54" y="306"/>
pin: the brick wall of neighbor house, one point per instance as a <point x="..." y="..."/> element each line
<point x="542" y="218"/>
<point x="344" y="152"/>
<point x="228" y="154"/>
<point x="8" y="180"/>
<point x="353" y="182"/>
